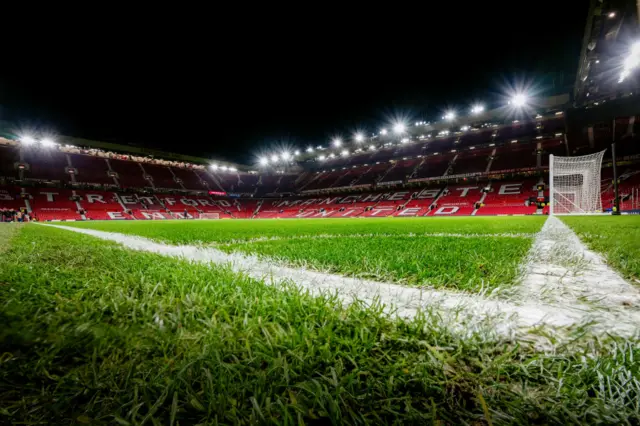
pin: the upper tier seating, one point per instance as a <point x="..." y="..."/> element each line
<point x="91" y="169"/>
<point x="162" y="176"/>
<point x="514" y="156"/>
<point x="46" y="164"/>
<point x="473" y="161"/>
<point x="130" y="174"/>
<point x="8" y="157"/>
<point x="189" y="178"/>
<point x="434" y="166"/>
<point x="400" y="171"/>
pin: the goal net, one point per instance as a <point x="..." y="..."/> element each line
<point x="574" y="184"/>
<point x="209" y="216"/>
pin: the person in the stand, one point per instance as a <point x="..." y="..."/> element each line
<point x="186" y="214"/>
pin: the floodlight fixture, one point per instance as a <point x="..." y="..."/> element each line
<point x="296" y="152"/>
<point x="263" y="161"/>
<point x="450" y="115"/>
<point x="519" y="100"/>
<point x="383" y="131"/>
<point x="399" y="128"/>
<point x="611" y="15"/>
<point x="477" y="109"/>
<point x="344" y="153"/>
<point x="214" y="166"/>
<point x="372" y="147"/>
<point x="337" y="142"/>
<point x="274" y="158"/>
<point x="48" y="143"/>
<point x="322" y="158"/>
<point x="359" y="137"/>
<point x="404" y="140"/>
<point x="310" y="149"/>
<point x="27" y="140"/>
<point x="285" y="156"/>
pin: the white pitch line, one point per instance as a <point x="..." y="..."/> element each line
<point x="562" y="270"/>
<point x="464" y="311"/>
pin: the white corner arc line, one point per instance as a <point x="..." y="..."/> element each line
<point x="464" y="311"/>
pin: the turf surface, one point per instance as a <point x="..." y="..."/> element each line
<point x="195" y="231"/>
<point x="393" y="249"/>
<point x="452" y="262"/>
<point x="616" y="237"/>
<point x="96" y="334"/>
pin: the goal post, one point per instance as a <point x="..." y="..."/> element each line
<point x="574" y="184"/>
<point x="209" y="216"/>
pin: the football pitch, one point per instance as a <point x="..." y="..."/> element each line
<point x="309" y="321"/>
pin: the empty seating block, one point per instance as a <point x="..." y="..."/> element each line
<point x="129" y="173"/>
<point x="91" y="169"/>
<point x="46" y="164"/>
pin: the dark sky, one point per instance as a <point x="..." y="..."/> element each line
<point x="232" y="83"/>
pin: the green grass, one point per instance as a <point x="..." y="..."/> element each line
<point x="616" y="237"/>
<point x="7" y="231"/>
<point x="460" y="263"/>
<point x="191" y="231"/>
<point x="96" y="334"/>
<point x="382" y="251"/>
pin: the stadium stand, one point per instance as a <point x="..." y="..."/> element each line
<point x="46" y="165"/>
<point x="485" y="169"/>
<point x="91" y="169"/>
<point x="130" y="173"/>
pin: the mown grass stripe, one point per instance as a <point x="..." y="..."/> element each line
<point x="81" y="343"/>
<point x="462" y="312"/>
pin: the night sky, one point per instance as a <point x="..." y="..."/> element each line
<point x="235" y="83"/>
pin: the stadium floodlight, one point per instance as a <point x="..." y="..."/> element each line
<point x="233" y="169"/>
<point x="464" y="128"/>
<point x="631" y="62"/>
<point x="224" y="168"/>
<point x="519" y="100"/>
<point x="383" y="131"/>
<point x="450" y="115"/>
<point x="285" y="156"/>
<point x="372" y="147"/>
<point x="310" y="149"/>
<point x="359" y="137"/>
<point x="344" y="153"/>
<point x="274" y="158"/>
<point x="27" y="140"/>
<point x="46" y="142"/>
<point x="611" y="15"/>
<point x="398" y="128"/>
<point x="404" y="140"/>
<point x="214" y="166"/>
<point x="322" y="158"/>
<point x="296" y="152"/>
<point x="332" y="155"/>
<point x="574" y="184"/>
<point x="477" y="109"/>
<point x="337" y="142"/>
<point x="263" y="161"/>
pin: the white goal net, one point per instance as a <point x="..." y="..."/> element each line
<point x="209" y="216"/>
<point x="574" y="184"/>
